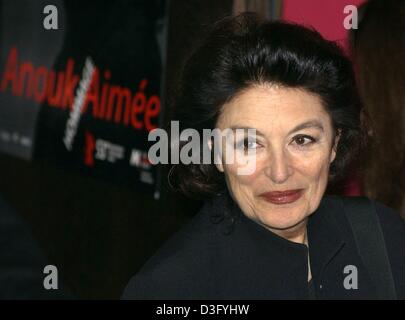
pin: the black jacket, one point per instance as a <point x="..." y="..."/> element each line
<point x="210" y="259"/>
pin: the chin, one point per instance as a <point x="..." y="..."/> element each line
<point x="286" y="215"/>
<point x="281" y="221"/>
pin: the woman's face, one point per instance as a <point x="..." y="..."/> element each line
<point x="291" y="150"/>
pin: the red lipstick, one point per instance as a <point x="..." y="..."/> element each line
<point x="282" y="197"/>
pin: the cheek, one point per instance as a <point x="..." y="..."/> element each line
<point x="314" y="171"/>
<point x="314" y="166"/>
<point x="232" y="171"/>
<point x="242" y="182"/>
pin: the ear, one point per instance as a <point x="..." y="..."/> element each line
<point x="218" y="161"/>
<point x="335" y="145"/>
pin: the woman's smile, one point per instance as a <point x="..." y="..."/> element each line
<point x="282" y="197"/>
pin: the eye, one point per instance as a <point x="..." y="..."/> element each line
<point x="245" y="144"/>
<point x="303" y="140"/>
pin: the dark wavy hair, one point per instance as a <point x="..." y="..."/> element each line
<point x="378" y="48"/>
<point x="243" y="51"/>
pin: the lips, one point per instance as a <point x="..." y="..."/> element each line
<point x="282" y="197"/>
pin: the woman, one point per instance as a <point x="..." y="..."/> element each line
<point x="381" y="80"/>
<point x="272" y="233"/>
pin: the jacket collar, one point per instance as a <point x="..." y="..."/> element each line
<point x="325" y="237"/>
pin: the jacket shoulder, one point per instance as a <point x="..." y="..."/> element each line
<point x="180" y="267"/>
<point x="393" y="229"/>
<point x="391" y="222"/>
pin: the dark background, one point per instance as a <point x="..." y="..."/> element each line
<point x="99" y="234"/>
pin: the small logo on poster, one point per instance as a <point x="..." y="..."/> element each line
<point x="139" y="159"/>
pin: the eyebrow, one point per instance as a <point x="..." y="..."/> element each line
<point x="247" y="128"/>
<point x="307" y="124"/>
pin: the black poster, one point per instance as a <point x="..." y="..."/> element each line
<point x="81" y="84"/>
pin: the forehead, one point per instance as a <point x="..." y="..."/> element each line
<point x="270" y="107"/>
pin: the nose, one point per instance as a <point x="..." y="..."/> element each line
<point x="278" y="168"/>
